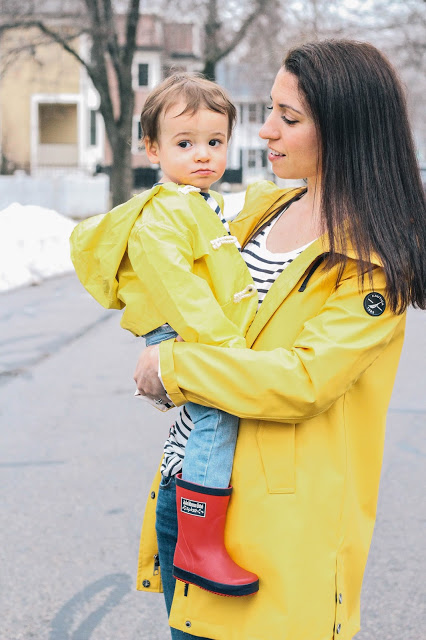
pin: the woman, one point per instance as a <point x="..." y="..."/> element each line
<point x="313" y="389"/>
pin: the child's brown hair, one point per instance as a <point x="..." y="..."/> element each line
<point x="192" y="88"/>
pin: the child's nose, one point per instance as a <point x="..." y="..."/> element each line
<point x="202" y="153"/>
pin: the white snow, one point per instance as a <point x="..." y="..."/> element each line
<point x="34" y="242"/>
<point x="233" y="203"/>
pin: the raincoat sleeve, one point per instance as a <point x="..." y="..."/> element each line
<point x="333" y="349"/>
<point x="163" y="257"/>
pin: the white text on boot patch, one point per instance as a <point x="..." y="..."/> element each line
<point x="193" y="507"/>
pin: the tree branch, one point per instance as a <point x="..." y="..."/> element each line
<point x="131" y="28"/>
<point x="222" y="53"/>
<point x="113" y="45"/>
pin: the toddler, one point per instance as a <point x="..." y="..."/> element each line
<point x="168" y="257"/>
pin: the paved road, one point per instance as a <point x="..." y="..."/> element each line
<point x="77" y="454"/>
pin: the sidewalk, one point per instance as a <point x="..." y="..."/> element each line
<point x="77" y="456"/>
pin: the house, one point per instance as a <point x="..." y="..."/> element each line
<point x="45" y="109"/>
<point x="247" y="152"/>
<point x="49" y="109"/>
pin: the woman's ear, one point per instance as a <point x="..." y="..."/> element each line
<point x="152" y="150"/>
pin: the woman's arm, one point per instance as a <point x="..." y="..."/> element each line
<point x="329" y="355"/>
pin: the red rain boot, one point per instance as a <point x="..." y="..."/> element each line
<point x="200" y="556"/>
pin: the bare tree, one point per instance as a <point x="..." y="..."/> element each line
<point x="112" y="41"/>
<point x="224" y="24"/>
<point x="218" y="45"/>
<point x="227" y="27"/>
<point x="111" y="28"/>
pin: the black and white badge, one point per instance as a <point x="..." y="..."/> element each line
<point x="374" y="303"/>
<point x="193" y="507"/>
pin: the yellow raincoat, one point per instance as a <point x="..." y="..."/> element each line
<point x="161" y="256"/>
<point x="312" y="394"/>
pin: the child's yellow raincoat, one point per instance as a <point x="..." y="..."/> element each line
<point x="312" y="394"/>
<point x="164" y="255"/>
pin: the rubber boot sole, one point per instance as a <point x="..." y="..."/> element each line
<point x="216" y="587"/>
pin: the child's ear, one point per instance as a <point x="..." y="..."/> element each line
<point x="152" y="149"/>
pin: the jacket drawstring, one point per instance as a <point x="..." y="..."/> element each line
<point x="218" y="242"/>
<point x="312" y="270"/>
<point x="188" y="188"/>
<point x="248" y="292"/>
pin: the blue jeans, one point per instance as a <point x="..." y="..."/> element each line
<point x="209" y="452"/>
<point x="166" y="528"/>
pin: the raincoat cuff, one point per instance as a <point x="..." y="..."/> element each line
<point x="168" y="376"/>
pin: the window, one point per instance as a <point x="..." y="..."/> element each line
<point x="93" y="133"/>
<point x="137" y="142"/>
<point x="252" y="113"/>
<point x="143" y="75"/>
<point x="256" y="158"/>
<point x="251" y="160"/>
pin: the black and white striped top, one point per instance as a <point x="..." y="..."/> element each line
<point x="216" y="208"/>
<point x="264" y="267"/>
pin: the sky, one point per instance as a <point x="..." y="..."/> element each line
<point x="34" y="242"/>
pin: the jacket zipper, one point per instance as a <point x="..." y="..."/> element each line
<point x="312" y="270"/>
<point x="156" y="564"/>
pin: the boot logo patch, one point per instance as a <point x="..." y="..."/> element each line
<point x="193" y="507"/>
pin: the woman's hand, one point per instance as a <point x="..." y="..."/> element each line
<point x="146" y="375"/>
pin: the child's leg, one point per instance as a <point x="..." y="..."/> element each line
<point x="202" y="496"/>
<point x="165" y="332"/>
<point x="209" y="452"/>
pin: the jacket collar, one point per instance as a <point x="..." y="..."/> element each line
<point x="282" y="286"/>
<point x="263" y="200"/>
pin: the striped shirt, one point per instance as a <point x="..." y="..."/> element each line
<point x="214" y="205"/>
<point x="264" y="267"/>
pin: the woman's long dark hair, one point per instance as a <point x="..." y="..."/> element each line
<point x="372" y="194"/>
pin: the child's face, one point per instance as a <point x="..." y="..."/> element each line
<point x="191" y="148"/>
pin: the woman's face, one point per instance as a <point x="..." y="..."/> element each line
<point x="290" y="132"/>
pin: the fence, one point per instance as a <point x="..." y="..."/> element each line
<point x="73" y="195"/>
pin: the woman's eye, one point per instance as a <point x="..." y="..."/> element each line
<point x="269" y="108"/>
<point x="287" y="121"/>
<point x="184" y="144"/>
<point x="214" y="143"/>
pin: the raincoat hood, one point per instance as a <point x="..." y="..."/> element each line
<point x="165" y="257"/>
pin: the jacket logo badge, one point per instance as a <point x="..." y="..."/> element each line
<point x="374" y="303"/>
<point x="193" y="507"/>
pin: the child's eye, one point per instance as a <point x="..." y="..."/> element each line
<point x="184" y="144"/>
<point x="214" y="143"/>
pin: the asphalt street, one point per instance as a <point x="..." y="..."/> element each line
<point x="77" y="454"/>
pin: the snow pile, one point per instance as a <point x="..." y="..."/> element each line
<point x="34" y="244"/>
<point x="233" y="203"/>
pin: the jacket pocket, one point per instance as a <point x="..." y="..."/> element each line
<point x="276" y="442"/>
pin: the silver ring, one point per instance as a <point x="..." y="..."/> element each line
<point x="158" y="401"/>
